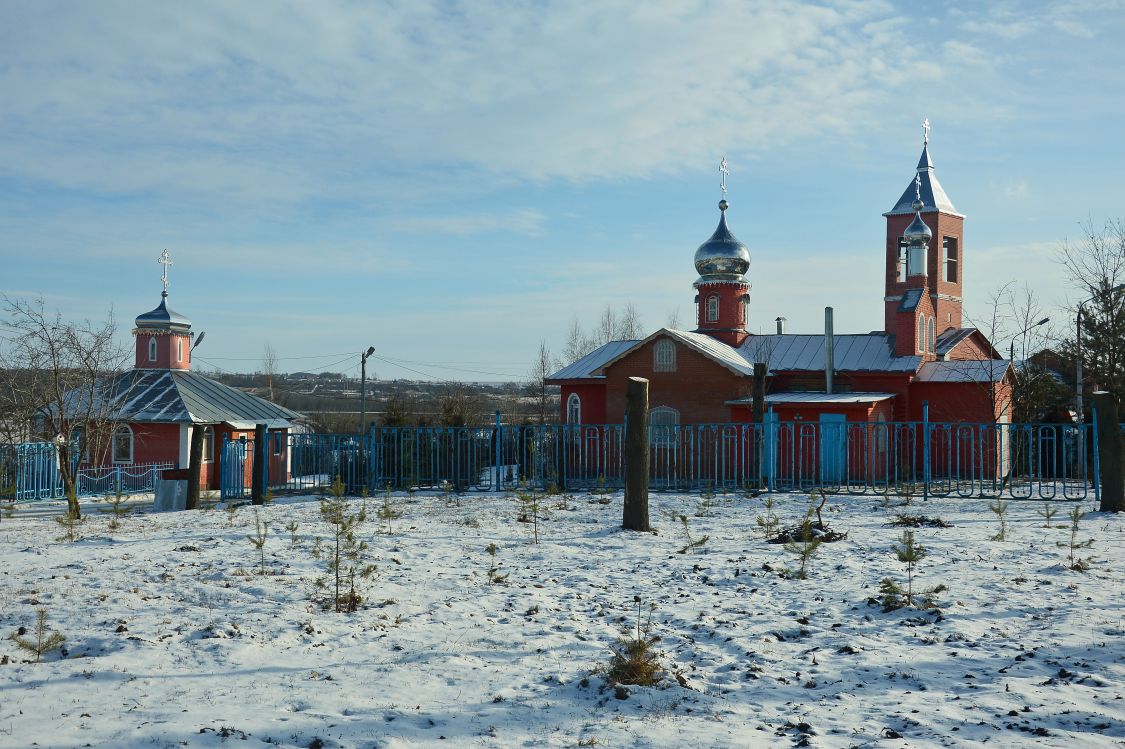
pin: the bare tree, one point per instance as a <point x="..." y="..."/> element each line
<point x="537" y="386"/>
<point x="269" y="368"/>
<point x="1095" y="267"/>
<point x="610" y="327"/>
<point x="673" y="319"/>
<point x="58" y="381"/>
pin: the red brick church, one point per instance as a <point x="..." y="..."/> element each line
<point x="160" y="401"/>
<point x="922" y="354"/>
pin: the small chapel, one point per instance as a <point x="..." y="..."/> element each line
<point x="923" y="354"/>
<point x="160" y="402"/>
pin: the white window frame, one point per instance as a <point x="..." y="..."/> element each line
<point x="946" y="261"/>
<point x="900" y="269"/>
<point x="208" y="444"/>
<point x="152" y="348"/>
<point x="932" y="336"/>
<point x="921" y="345"/>
<point x="664" y="356"/>
<point x="126" y="430"/>
<point x="713" y="308"/>
<point x="573" y="409"/>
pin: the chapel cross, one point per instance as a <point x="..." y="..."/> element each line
<point x="926" y="131"/>
<point x="165" y="260"/>
<point x="725" y="171"/>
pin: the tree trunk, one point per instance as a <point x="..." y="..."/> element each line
<point x="195" y="467"/>
<point x="1109" y="452"/>
<point x="635" y="514"/>
<point x="69" y="481"/>
<point x="259" y="467"/>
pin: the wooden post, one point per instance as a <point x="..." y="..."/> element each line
<point x="195" y="467"/>
<point x="1109" y="452"/>
<point x="635" y="514"/>
<point x="759" y="416"/>
<point x="258" y="480"/>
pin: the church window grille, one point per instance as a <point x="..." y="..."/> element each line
<point x="152" y="349"/>
<point x="932" y="337"/>
<point x="208" y="444"/>
<point x="123" y="445"/>
<point x="949" y="257"/>
<point x="922" y="334"/>
<point x="712" y="309"/>
<point x="573" y="409"/>
<point x="664" y="423"/>
<point x="664" y="356"/>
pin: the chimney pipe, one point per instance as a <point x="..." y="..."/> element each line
<point x="780" y="326"/>
<point x="829" y="354"/>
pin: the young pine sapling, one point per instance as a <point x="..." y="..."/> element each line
<point x="909" y="553"/>
<point x="261" y="530"/>
<point x="803" y="549"/>
<point x="1000" y="508"/>
<point x="43" y="640"/>
<point x="1074" y="562"/>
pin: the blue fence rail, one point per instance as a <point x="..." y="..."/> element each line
<point x="30" y="471"/>
<point x="1022" y="461"/>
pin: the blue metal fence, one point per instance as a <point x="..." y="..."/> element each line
<point x="1020" y="461"/>
<point x="30" y="471"/>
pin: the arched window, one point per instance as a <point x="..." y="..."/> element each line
<point x="152" y="349"/>
<point x="573" y="409"/>
<point x="663" y="422"/>
<point x="664" y="356"/>
<point x="922" y="333"/>
<point x="179" y="349"/>
<point x="123" y="445"/>
<point x="208" y="444"/>
<point x="932" y="337"/>
<point x="712" y="309"/>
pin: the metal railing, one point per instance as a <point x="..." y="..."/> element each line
<point x="30" y="471"/>
<point x="1020" y="461"/>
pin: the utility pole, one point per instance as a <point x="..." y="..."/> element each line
<point x="363" y="388"/>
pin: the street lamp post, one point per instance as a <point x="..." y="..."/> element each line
<point x="363" y="388"/>
<point x="1012" y="345"/>
<point x="1078" y="344"/>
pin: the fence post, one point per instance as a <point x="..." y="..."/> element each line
<point x="1108" y="431"/>
<point x="257" y="490"/>
<point x="496" y="455"/>
<point x="925" y="450"/>
<point x="195" y="467"/>
<point x="635" y="512"/>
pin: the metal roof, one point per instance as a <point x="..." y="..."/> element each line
<point x="910" y="299"/>
<point x="950" y="338"/>
<point x="863" y="352"/>
<point x="933" y="196"/>
<point x="815" y="397"/>
<point x="984" y="370"/>
<point x="713" y="348"/>
<point x="162" y="395"/>
<point x="584" y="368"/>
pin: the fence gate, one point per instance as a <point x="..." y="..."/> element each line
<point x="232" y="471"/>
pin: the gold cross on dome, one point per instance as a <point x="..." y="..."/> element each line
<point x="165" y="260"/>
<point x="725" y="171"/>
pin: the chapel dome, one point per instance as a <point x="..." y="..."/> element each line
<point x="722" y="257"/>
<point x="163" y="318"/>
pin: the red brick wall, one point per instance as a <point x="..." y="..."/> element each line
<point x="943" y="225"/>
<point x="698" y="389"/>
<point x="730" y="328"/>
<point x="592" y="396"/>
<point x="165" y="350"/>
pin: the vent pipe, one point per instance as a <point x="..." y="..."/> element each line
<point x="829" y="354"/>
<point x="780" y="326"/>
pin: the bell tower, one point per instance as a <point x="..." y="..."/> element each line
<point x="937" y="266"/>
<point x="163" y="336"/>
<point x="722" y="290"/>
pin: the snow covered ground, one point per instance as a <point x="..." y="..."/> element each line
<point x="174" y="638"/>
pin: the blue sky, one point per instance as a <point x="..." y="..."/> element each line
<point x="454" y="182"/>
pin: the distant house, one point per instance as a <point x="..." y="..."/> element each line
<point x="922" y="354"/>
<point x="160" y="402"/>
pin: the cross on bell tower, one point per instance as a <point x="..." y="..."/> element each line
<point x="163" y="336"/>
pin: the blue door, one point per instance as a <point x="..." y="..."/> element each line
<point x="833" y="455"/>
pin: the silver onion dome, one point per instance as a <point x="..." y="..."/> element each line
<point x="722" y="257"/>
<point x="917" y="233"/>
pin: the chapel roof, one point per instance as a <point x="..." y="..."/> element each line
<point x="930" y="191"/>
<point x="163" y="318"/>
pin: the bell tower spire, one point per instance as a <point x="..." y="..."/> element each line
<point x="722" y="290"/>
<point x="935" y="260"/>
